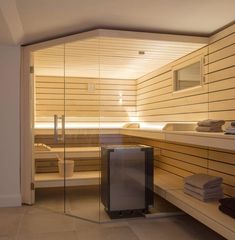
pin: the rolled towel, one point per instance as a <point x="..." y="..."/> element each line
<point x="41" y="147"/>
<point x="227" y="211"/>
<point x="210" y="122"/>
<point x="203" y="191"/>
<point x="205" y="198"/>
<point x="230" y="130"/>
<point x="228" y="202"/>
<point x="233" y="123"/>
<point x="202" y="180"/>
<point x="209" y="129"/>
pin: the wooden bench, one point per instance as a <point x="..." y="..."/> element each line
<point x="170" y="187"/>
<point x="167" y="185"/>
<point x="85" y="159"/>
<point x="53" y="179"/>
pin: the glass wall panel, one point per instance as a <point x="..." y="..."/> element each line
<point x="48" y="133"/>
<point x="81" y="164"/>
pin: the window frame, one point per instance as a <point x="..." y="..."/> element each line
<point x="186" y="64"/>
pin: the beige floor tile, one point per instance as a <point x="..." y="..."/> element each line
<point x="45" y="223"/>
<point x="13" y="210"/>
<point x="181" y="227"/>
<point x="112" y="233"/>
<point x="83" y="202"/>
<point x="10" y="219"/>
<point x="7" y="238"/>
<point x="50" y="198"/>
<point x="38" y="210"/>
<point x="49" y="236"/>
<point x="83" y="225"/>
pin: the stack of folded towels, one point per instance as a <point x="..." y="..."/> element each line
<point x="227" y="206"/>
<point x="230" y="129"/>
<point x="210" y="125"/>
<point x="203" y="187"/>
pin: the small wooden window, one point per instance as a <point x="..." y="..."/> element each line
<point x="187" y="75"/>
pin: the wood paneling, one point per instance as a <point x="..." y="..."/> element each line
<point x="152" y="99"/>
<point x="157" y="102"/>
<point x="70" y="96"/>
<point x="113" y="56"/>
<point x="184" y="160"/>
<point x="221" y="66"/>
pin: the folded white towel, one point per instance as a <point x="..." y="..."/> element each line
<point x="202" y="191"/>
<point x="205" y="198"/>
<point x="230" y="130"/>
<point x="209" y="129"/>
<point x="202" y="180"/>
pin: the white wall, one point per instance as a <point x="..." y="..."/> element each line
<point x="9" y="126"/>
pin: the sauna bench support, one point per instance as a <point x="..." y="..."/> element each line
<point x="170" y="187"/>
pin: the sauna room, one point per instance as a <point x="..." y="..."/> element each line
<point x="174" y="94"/>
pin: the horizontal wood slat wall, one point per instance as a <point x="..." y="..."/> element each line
<point x="56" y="95"/>
<point x="157" y="102"/>
<point x="184" y="160"/>
<point x="221" y="75"/>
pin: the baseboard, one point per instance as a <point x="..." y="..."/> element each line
<point x="10" y="200"/>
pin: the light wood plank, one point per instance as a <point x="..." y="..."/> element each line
<point x="176" y="110"/>
<point x="222" y="41"/>
<point x="183" y="165"/>
<point x="221" y="167"/>
<point x="218" y="55"/>
<point x="221" y="64"/>
<point x="202" y="162"/>
<point x="222" y="105"/>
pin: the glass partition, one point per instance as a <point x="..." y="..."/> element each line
<point x="48" y="127"/>
<point x="82" y="123"/>
<point x="89" y="98"/>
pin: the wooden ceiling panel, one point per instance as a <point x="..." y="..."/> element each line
<point x="109" y="57"/>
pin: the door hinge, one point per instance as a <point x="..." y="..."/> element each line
<point x="32" y="186"/>
<point x="31" y="69"/>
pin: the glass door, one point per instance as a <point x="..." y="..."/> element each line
<point x="82" y="123"/>
<point x="49" y="112"/>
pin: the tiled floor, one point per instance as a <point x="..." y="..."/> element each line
<point x="33" y="223"/>
<point x="85" y="202"/>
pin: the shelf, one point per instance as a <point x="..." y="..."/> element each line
<point x="170" y="187"/>
<point x="46" y="180"/>
<point x="213" y="140"/>
<point x="204" y="139"/>
<point x="81" y="152"/>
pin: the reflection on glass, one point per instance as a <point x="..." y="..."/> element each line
<point x="188" y="77"/>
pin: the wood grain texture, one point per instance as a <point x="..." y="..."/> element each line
<point x="70" y="96"/>
<point x="184" y="160"/>
<point x="157" y="102"/>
